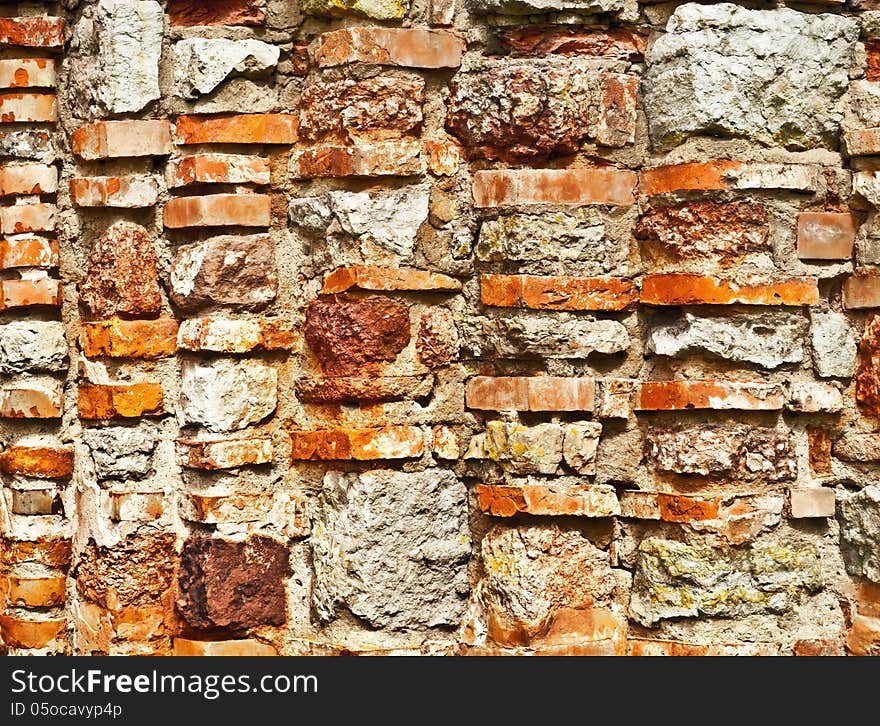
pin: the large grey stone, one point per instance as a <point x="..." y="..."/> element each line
<point x="226" y="394"/>
<point x="859" y="517"/>
<point x="546" y="336"/>
<point x="768" y="339"/>
<point x="776" y="76"/>
<point x="392" y="547"/>
<point x="834" y="345"/>
<point x="122" y="452"/>
<point x="531" y="7"/>
<point x="202" y="64"/>
<point x="32" y="345"/>
<point x="677" y="580"/>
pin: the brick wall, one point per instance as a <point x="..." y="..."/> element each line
<point x="489" y="327"/>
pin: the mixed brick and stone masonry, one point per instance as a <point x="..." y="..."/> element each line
<point x="437" y="327"/>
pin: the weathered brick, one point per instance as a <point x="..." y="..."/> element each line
<point x="257" y="128"/>
<point x="136" y="506"/>
<point x="22" y="632"/>
<point x="709" y="394"/>
<point x="437" y="341"/>
<point x="214" y="454"/>
<point x="649" y="647"/>
<point x="29" y="292"/>
<point x="31" y="217"/>
<point x="387" y="279"/>
<point x="219" y="210"/>
<point x="862" y="142"/>
<point x="818" y="647"/>
<point x="551" y="499"/>
<point x="114" y="191"/>
<point x="216" y="169"/>
<point x="33" y="144"/>
<point x="28" y="252"/>
<point x="217" y="12"/>
<point x="861" y="292"/>
<point x="107" y="401"/>
<point x="868" y="371"/>
<point x="50" y="550"/>
<point x="28" y="108"/>
<point x="31" y="398"/>
<point x="682" y="289"/>
<point x="808" y="502"/>
<point x="27" y="73"/>
<point x="24" y="179"/>
<point x="34" y="592"/>
<point x="558" y="293"/>
<point x="530" y="393"/>
<point x="232" y="335"/>
<point x="387" y="442"/>
<point x="32" y="32"/>
<point x="577" y="40"/>
<point x="819" y="444"/>
<point x="39" y="462"/>
<point x="411" y="47"/>
<point x="812" y="397"/>
<point x="216" y="508"/>
<point x="244" y="647"/>
<point x="353" y="389"/>
<point x="119" y="139"/>
<point x="119" y="338"/>
<point x="825" y="235"/>
<point x="863" y="637"/>
<point x="614" y="397"/>
<point x="380" y="158"/>
<point x="721" y="174"/>
<point x="34" y="502"/>
<point x="511" y="187"/>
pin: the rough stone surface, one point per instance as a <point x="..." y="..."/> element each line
<point x="202" y="64"/>
<point x="768" y="340"/>
<point x="226" y="394"/>
<point x="377" y="9"/>
<point x="392" y="547"/>
<point x="834" y="345"/>
<point x="868" y="371"/>
<point x="677" y="580"/>
<point x="859" y="516"/>
<point x="33" y="345"/>
<point x="121" y="278"/>
<point x="122" y="452"/>
<point x="437" y="342"/>
<point x="775" y="76"/>
<point x="531" y="7"/>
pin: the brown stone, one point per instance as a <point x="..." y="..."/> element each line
<point x="351" y="337"/>
<point x="40" y="462"/>
<point x="136" y="571"/>
<point x="118" y="139"/>
<point x="861" y="292"/>
<point x="247" y="128"/>
<point x="872" y="51"/>
<point x="530" y="393"/>
<point x="387" y="442"/>
<point x="551" y="500"/>
<point x="217" y="12"/>
<point x="558" y="293"/>
<point x="861" y="447"/>
<point x="868" y="371"/>
<point x="682" y="289"/>
<point x="121" y="278"/>
<point x="538" y="41"/>
<point x="379" y="158"/>
<point x="511" y="187"/>
<point x="106" y="401"/>
<point x="373" y="108"/>
<point x="28" y="292"/>
<point x="216" y="169"/>
<point x="342" y="389"/>
<point x="34" y="592"/>
<point x="695" y="231"/>
<point x="437" y="341"/>
<point x="52" y="551"/>
<point x="117" y="338"/>
<point x="825" y="235"/>
<point x="219" y="210"/>
<point x="819" y="450"/>
<point x="32" y="32"/>
<point x="709" y="394"/>
<point x="215" y="454"/>
<point x="225" y="584"/>
<point x="28" y="252"/>
<point x="245" y="647"/>
<point x="411" y="47"/>
<point x="364" y="277"/>
<point x="867" y="599"/>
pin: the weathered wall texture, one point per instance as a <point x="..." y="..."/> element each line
<point x="489" y="327"/>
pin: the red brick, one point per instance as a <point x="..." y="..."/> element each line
<point x="28" y="108"/>
<point x="671" y="507"/>
<point x="354" y="389"/>
<point x="411" y="47"/>
<point x="119" y="139"/>
<point x="32" y="32"/>
<point x="28" y="252"/>
<point x="245" y="128"/>
<point x="807" y="502"/>
<point x="235" y="335"/>
<point x="24" y="633"/>
<point x="709" y="394"/>
<point x="530" y="393"/>
<point x="107" y="401"/>
<point x="649" y="647"/>
<point x="511" y="187"/>
<point x="118" y="338"/>
<point x="215" y="454"/>
<point x="27" y="73"/>
<point x="24" y="179"/>
<point x="551" y="500"/>
<point x="31" y="400"/>
<point x="387" y="442"/>
<point x="868" y="371"/>
<point x="862" y="142"/>
<point x="216" y="169"/>
<point x="114" y="191"/>
<point x="861" y="292"/>
<point x="872" y="51"/>
<point x="382" y="158"/>
<point x="21" y="218"/>
<point x="825" y="235"/>
<point x="863" y="637"/>
<point x="537" y="41"/>
<point x="40" y="462"/>
<point x="819" y="647"/>
<point x="216" y="12"/>
<point x="723" y="174"/>
<point x="25" y="293"/>
<point x="682" y="289"/>
<point x="558" y="293"/>
<point x="246" y="647"/>
<point x="867" y="599"/>
<point x="34" y="592"/>
<point x="387" y="279"/>
<point x="219" y="210"/>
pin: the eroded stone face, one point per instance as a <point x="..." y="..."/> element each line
<point x="677" y="580"/>
<point x="122" y="452"/>
<point x="392" y="547"/>
<point x="202" y="64"/>
<point x="859" y="517"/>
<point x="775" y="76"/>
<point x="834" y="345"/>
<point x="437" y="342"/>
<point x="530" y="7"/>
<point x="34" y="345"/>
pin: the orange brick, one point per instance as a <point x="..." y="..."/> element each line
<point x="387" y="442"/>
<point x="670" y="507"/>
<point x="695" y="176"/>
<point x="234" y="335"/>
<point x="861" y="292"/>
<point x="510" y="187"/>
<point x="819" y="450"/>
<point x="32" y="32"/>
<point x="18" y="108"/>
<point x="354" y="389"/>
<point x="216" y="169"/>
<point x="570" y="631"/>
<point x="28" y="252"/>
<point x="27" y="73"/>
<point x="709" y="394"/>
<point x="117" y="338"/>
<point x="246" y="128"/>
<point x="868" y="599"/>
<point x="40" y="462"/>
<point x="825" y="235"/>
<point x="551" y="500"/>
<point x="558" y="293"/>
<point x="530" y="393"/>
<point x="682" y="289"/>
<point x="52" y="551"/>
<point x="410" y="47"/>
<point x="219" y="210"/>
<point x="381" y="158"/>
<point x="29" y="292"/>
<point x="21" y="218"/>
<point x="862" y="142"/>
<point x="119" y="139"/>
<point x="617" y="109"/>
<point x="114" y="191"/>
<point x="23" y="179"/>
<point x="245" y="647"/>
<point x="31" y="400"/>
<point x="35" y="592"/>
<point x="223" y="453"/>
<point x="22" y="633"/>
<point x="807" y="502"/>
<point x="649" y="647"/>
<point x="106" y="401"/>
<point x="387" y="279"/>
<point x="863" y="637"/>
